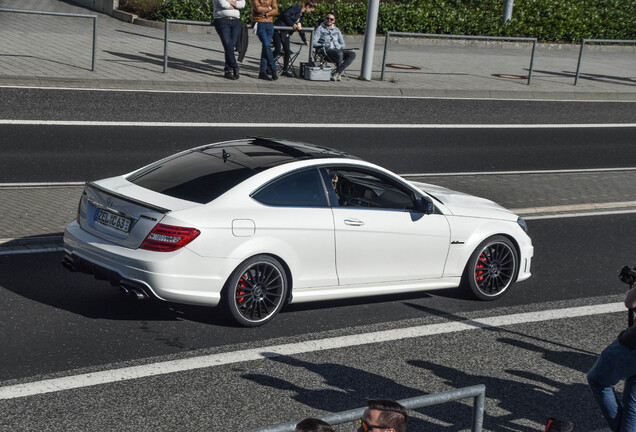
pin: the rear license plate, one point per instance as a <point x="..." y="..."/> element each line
<point x="112" y="220"/>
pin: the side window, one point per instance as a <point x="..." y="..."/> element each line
<point x="361" y="188"/>
<point x="300" y="189"/>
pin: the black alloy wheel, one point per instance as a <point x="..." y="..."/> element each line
<point x="256" y="291"/>
<point x="492" y="268"/>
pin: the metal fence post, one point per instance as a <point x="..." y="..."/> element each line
<point x="578" y="65"/>
<point x="478" y="410"/>
<point x="610" y="41"/>
<point x="165" y="45"/>
<point x="534" y="48"/>
<point x="94" y="42"/>
<point x="386" y="47"/>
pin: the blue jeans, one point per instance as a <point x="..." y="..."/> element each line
<point x="229" y="31"/>
<point x="265" y="32"/>
<point x="615" y="363"/>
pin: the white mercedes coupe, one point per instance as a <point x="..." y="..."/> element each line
<point x="254" y="224"/>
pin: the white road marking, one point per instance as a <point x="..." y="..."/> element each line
<point x="575" y="209"/>
<point x="40" y="184"/>
<point x="486" y="173"/>
<point x="313" y="125"/>
<point x="207" y="361"/>
<point x="582" y="214"/>
<point x="30" y="251"/>
<point x="321" y="94"/>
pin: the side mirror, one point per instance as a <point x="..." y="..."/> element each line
<point x="426" y="206"/>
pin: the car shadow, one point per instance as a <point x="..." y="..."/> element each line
<point x="40" y="277"/>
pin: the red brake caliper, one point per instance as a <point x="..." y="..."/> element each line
<point x="479" y="270"/>
<point x="240" y="291"/>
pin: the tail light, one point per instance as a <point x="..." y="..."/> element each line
<point x="168" y="238"/>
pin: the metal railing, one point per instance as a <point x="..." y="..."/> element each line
<point x="441" y="36"/>
<point x="93" y="17"/>
<point x="477" y="392"/>
<point x="584" y="41"/>
<point x="166" y="35"/>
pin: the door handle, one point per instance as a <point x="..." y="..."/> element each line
<point x="353" y="222"/>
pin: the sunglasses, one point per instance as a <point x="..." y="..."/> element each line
<point x="367" y="427"/>
<point x="330" y="19"/>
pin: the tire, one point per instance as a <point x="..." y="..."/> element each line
<point x="492" y="268"/>
<point x="256" y="291"/>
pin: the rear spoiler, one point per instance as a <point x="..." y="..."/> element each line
<point x="158" y="209"/>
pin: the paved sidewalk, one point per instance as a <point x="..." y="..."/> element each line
<point x="56" y="51"/>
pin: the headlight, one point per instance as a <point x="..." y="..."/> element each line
<point x="522" y="224"/>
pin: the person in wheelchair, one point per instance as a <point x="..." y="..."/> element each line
<point x="329" y="38"/>
<point x="292" y="17"/>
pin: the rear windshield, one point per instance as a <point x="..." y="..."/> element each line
<point x="197" y="176"/>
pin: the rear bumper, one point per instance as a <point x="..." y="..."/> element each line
<point x="181" y="276"/>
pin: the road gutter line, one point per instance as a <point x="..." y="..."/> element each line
<point x="300" y="94"/>
<point x="208" y="361"/>
<point x="313" y="125"/>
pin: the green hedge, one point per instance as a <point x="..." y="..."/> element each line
<point x="548" y="20"/>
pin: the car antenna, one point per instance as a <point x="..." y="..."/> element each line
<point x="226" y="155"/>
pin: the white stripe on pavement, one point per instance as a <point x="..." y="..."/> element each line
<point x="290" y="92"/>
<point x="314" y="125"/>
<point x="488" y="173"/>
<point x="176" y="366"/>
<point x="30" y="251"/>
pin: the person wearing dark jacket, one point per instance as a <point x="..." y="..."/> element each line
<point x="292" y="17"/>
<point x="617" y="362"/>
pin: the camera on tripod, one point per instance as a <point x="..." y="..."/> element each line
<point x="627" y="275"/>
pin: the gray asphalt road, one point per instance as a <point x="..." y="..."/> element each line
<point x="43" y="153"/>
<point x="60" y="320"/>
<point x="57" y="324"/>
<point x="90" y="105"/>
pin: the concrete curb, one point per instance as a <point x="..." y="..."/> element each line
<point x="305" y="88"/>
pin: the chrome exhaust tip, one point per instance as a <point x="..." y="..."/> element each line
<point x="68" y="264"/>
<point x="136" y="292"/>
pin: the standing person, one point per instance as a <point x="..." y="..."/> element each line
<point x="263" y="13"/>
<point x="617" y="362"/>
<point x="292" y="17"/>
<point x="383" y="415"/>
<point x="328" y="36"/>
<point x="228" y="25"/>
